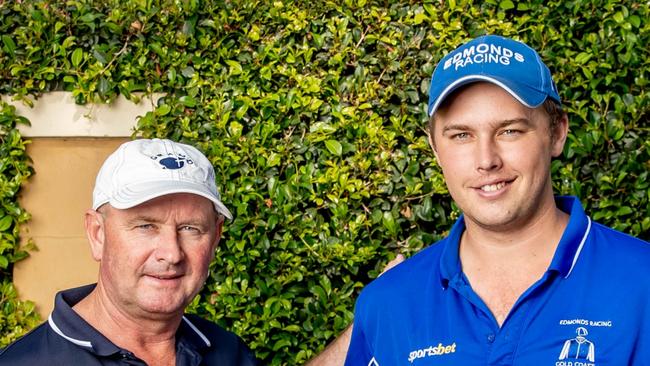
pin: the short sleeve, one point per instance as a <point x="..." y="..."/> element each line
<point x="359" y="352"/>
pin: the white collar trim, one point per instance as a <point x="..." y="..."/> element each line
<point x="582" y="243"/>
<point x="58" y="331"/>
<point x="205" y="339"/>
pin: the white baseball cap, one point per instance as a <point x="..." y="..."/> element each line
<point x="144" y="169"/>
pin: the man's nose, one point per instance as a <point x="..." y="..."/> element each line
<point x="169" y="247"/>
<point x="488" y="157"/>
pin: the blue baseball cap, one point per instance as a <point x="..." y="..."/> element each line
<point x="510" y="64"/>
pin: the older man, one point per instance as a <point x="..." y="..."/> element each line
<point x="154" y="226"/>
<point x="521" y="272"/>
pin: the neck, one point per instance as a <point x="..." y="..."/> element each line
<point x="543" y="230"/>
<point x="501" y="265"/>
<point x="150" y="339"/>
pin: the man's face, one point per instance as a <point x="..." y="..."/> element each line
<point x="495" y="154"/>
<point x="154" y="257"/>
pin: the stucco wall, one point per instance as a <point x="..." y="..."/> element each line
<point x="69" y="143"/>
<point x="57" y="197"/>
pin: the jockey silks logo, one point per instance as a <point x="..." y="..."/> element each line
<point x="482" y="53"/>
<point x="580" y="350"/>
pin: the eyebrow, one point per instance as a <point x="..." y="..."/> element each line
<point x="141" y="218"/>
<point x="500" y="124"/>
<point x="145" y="218"/>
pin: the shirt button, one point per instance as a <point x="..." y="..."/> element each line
<point x="490" y="338"/>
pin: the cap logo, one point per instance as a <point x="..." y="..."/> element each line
<point x="482" y="53"/>
<point x="172" y="161"/>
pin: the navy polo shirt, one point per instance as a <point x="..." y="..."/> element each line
<point x="590" y="308"/>
<point x="67" y="339"/>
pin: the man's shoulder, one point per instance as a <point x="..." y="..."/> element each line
<point x="28" y="349"/>
<point x="211" y="330"/>
<point x="617" y="259"/>
<point x="226" y="348"/>
<point x="624" y="244"/>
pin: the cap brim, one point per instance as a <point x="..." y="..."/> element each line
<point x="531" y="98"/>
<point x="136" y="194"/>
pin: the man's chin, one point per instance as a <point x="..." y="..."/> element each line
<point x="163" y="306"/>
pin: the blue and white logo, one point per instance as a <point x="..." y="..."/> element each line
<point x="578" y="350"/>
<point x="172" y="161"/>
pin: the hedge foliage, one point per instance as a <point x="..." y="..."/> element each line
<point x="16" y="317"/>
<point x="313" y="114"/>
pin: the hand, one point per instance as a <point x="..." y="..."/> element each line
<point x="399" y="258"/>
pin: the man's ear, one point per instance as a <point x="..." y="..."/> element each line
<point x="220" y="221"/>
<point x="559" y="135"/>
<point x="432" y="142"/>
<point x="95" y="232"/>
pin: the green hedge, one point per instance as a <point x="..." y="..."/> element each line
<point x="313" y="114"/>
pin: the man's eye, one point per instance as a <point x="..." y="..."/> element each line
<point x="145" y="226"/>
<point x="511" y="132"/>
<point x="460" y="136"/>
<point x="190" y="229"/>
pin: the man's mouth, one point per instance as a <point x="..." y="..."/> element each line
<point x="165" y="276"/>
<point x="493" y="187"/>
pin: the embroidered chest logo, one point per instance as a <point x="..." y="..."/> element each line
<point x="579" y="349"/>
<point x="172" y="161"/>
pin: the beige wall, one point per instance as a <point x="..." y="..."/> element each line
<point x="69" y="144"/>
<point x="57" y="197"/>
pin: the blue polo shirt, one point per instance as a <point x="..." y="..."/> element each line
<point x="67" y="339"/>
<point x="590" y="308"/>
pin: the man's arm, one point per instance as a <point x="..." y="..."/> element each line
<point x="334" y="354"/>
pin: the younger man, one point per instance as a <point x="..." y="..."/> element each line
<point x="524" y="278"/>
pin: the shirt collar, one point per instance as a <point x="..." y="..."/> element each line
<point x="565" y="257"/>
<point x="450" y="260"/>
<point x="69" y="325"/>
<point x="574" y="236"/>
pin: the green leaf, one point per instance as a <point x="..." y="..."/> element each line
<point x="5" y="223"/>
<point x="163" y="110"/>
<point x="583" y="57"/>
<point x="77" y="56"/>
<point x="235" y="67"/>
<point x="104" y="86"/>
<point x="187" y="101"/>
<point x="280" y="344"/>
<point x="188" y="72"/>
<point x="419" y="18"/>
<point x="10" y="46"/>
<point x="171" y="74"/>
<point x="99" y="56"/>
<point x="625" y="210"/>
<point x="618" y="17"/>
<point x="334" y="147"/>
<point x="506" y="5"/>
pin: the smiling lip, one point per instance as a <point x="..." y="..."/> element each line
<point x="164" y="277"/>
<point x="494" y="186"/>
